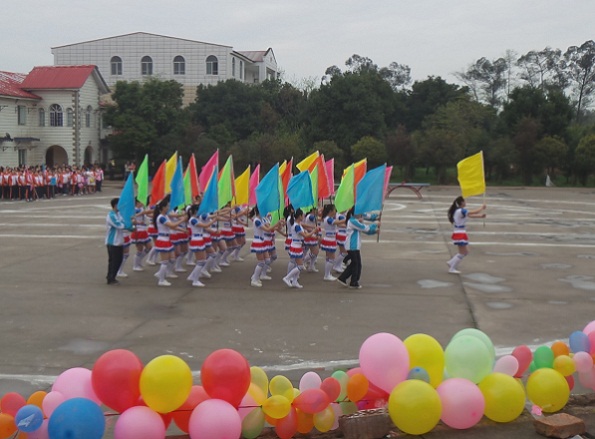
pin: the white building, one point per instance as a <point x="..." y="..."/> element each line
<point x="51" y="115"/>
<point x="135" y="56"/>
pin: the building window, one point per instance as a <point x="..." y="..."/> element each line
<point x="241" y="69"/>
<point x="88" y="116"/>
<point x="212" y="65"/>
<point x="22" y="157"/>
<point x="56" y="116"/>
<point x="233" y="67"/>
<point x="69" y="117"/>
<point x="41" y="117"/>
<point x="146" y="66"/>
<point x="116" y="63"/>
<point x="22" y="114"/>
<point x="179" y="65"/>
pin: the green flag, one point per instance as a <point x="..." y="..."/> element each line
<point x="345" y="196"/>
<point x="314" y="178"/>
<point x="187" y="188"/>
<point x="224" y="185"/>
<point x="277" y="214"/>
<point x="142" y="181"/>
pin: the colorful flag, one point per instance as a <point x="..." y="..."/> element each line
<point x="305" y="164"/>
<point x="330" y="175"/>
<point x="314" y="178"/>
<point x="209" y="202"/>
<point x="170" y="168"/>
<point x="322" y="179"/>
<point x="126" y="203"/>
<point x="193" y="176"/>
<point x="345" y="196"/>
<point x="286" y="174"/>
<point x="369" y="191"/>
<point x="158" y="184"/>
<point x="267" y="192"/>
<point x="142" y="181"/>
<point x="225" y="183"/>
<point x="299" y="191"/>
<point x="242" y="184"/>
<point x="207" y="170"/>
<point x="471" y="176"/>
<point x="359" y="169"/>
<point x="177" y="187"/>
<point x="389" y="171"/>
<point x="254" y="180"/>
<point x="187" y="187"/>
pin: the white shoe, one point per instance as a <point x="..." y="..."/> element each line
<point x="256" y="283"/>
<point x="138" y="269"/>
<point x="224" y="264"/>
<point x="164" y="283"/>
<point x="453" y="271"/>
<point x="296" y="284"/>
<point x="330" y="278"/>
<point x="314" y="269"/>
<point x="269" y="269"/>
<point x="216" y="269"/>
<point x="180" y="270"/>
<point x="150" y="263"/>
<point x="190" y="263"/>
<point x="239" y="259"/>
<point x="197" y="283"/>
<point x="287" y="282"/>
<point x="205" y="273"/>
<point x="171" y="276"/>
<point x="265" y="277"/>
<point x="121" y="274"/>
<point x="339" y="269"/>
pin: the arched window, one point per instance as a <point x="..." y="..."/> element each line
<point x="69" y="117"/>
<point x="179" y="65"/>
<point x="41" y="114"/>
<point x="56" y="116"/>
<point x="146" y="65"/>
<point x="116" y="63"/>
<point x="212" y="65"/>
<point x="88" y="116"/>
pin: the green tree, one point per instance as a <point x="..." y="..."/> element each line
<point x="372" y="149"/>
<point x="525" y="139"/>
<point x="499" y="159"/>
<point x="487" y="80"/>
<point x="401" y="151"/>
<point x="540" y="68"/>
<point x="577" y="68"/>
<point x="584" y="157"/>
<point x="552" y="153"/>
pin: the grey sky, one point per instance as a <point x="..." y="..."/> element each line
<point x="432" y="37"/>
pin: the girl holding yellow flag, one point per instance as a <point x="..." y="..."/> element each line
<point x="457" y="215"/>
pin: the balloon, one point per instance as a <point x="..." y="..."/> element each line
<point x="311" y="401"/>
<point x="29" y="418"/>
<point x="384" y="360"/>
<point x="324" y="420"/>
<point x="468" y="357"/>
<point x="507" y="364"/>
<point x="7" y="425"/>
<point x="77" y="418"/>
<point x="418" y="373"/>
<point x="504" y="397"/>
<point x="560" y="348"/>
<point x="259" y="378"/>
<point x="338" y="413"/>
<point x="414" y="406"/>
<point x="589" y="328"/>
<point x="587" y="379"/>
<point x="462" y="403"/>
<point x="225" y="375"/>
<point x="76" y="383"/>
<point x="565" y="365"/>
<point x="543" y="357"/>
<point x="348" y="407"/>
<point x="11" y="403"/>
<point x="41" y="432"/>
<point x="357" y="387"/>
<point x="253" y="423"/>
<point x="165" y="383"/>
<point x="215" y="418"/>
<point x="524" y="356"/>
<point x="331" y="387"/>
<point x="36" y="398"/>
<point x="256" y="393"/>
<point x="182" y="415"/>
<point x="310" y="380"/>
<point x="115" y="379"/>
<point x="343" y="379"/>
<point x="480" y="335"/>
<point x="570" y="381"/>
<point x="583" y="361"/>
<point x="139" y="423"/>
<point x="287" y="426"/>
<point x="276" y="406"/>
<point x="591" y="337"/>
<point x="281" y="385"/>
<point x="426" y="353"/>
<point x="579" y="342"/>
<point x="305" y="421"/>
<point x="548" y="389"/>
<point x="51" y="401"/>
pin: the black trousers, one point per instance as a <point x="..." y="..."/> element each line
<point x="115" y="255"/>
<point x="354" y="269"/>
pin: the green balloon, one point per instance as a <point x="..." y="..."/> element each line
<point x="543" y="357"/>
<point x="467" y="357"/>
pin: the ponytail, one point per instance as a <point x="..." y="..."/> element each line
<point x="455" y="205"/>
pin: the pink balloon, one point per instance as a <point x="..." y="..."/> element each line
<point x="524" y="356"/>
<point x="52" y="400"/>
<point x="139" y="422"/>
<point x="41" y="432"/>
<point x="76" y="383"/>
<point x="587" y="379"/>
<point x="507" y="365"/>
<point x="215" y="418"/>
<point x="338" y="413"/>
<point x="384" y="360"/>
<point x="583" y="362"/>
<point x="589" y="328"/>
<point x="246" y="406"/>
<point x="310" y="380"/>
<point x="462" y="403"/>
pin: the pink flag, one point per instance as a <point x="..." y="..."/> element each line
<point x="207" y="170"/>
<point x="330" y="175"/>
<point x="254" y="180"/>
<point x="388" y="172"/>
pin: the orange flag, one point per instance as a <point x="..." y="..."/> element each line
<point x="158" y="184"/>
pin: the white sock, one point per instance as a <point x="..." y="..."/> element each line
<point x="328" y="266"/>
<point x="267" y="264"/>
<point x="294" y="274"/>
<point x="152" y="255"/>
<point x="162" y="270"/>
<point x="122" y="264"/>
<point x="339" y="260"/>
<point x="290" y="266"/>
<point x="313" y="258"/>
<point x="195" y="275"/>
<point x="138" y="259"/>
<point x="457" y="260"/>
<point x="179" y="260"/>
<point x="257" y="270"/>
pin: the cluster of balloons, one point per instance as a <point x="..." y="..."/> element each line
<point x="420" y="382"/>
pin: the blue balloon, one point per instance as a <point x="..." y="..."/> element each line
<point x="579" y="342"/>
<point x="77" y="418"/>
<point x="418" y="373"/>
<point x="29" y="418"/>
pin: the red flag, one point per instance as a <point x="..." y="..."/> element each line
<point x="323" y="189"/>
<point x="330" y="175"/>
<point x="254" y="180"/>
<point x="389" y="171"/>
<point x="193" y="176"/>
<point x="359" y="172"/>
<point x="207" y="170"/>
<point x="158" y="184"/>
<point x="286" y="176"/>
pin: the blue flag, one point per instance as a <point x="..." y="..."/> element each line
<point x="210" y="199"/>
<point x="126" y="203"/>
<point x="299" y="190"/>
<point x="267" y="192"/>
<point x="178" y="197"/>
<point x="369" y="191"/>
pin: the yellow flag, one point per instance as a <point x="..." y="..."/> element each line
<point x="282" y="167"/>
<point x="242" y="188"/>
<point x="170" y="169"/>
<point x="470" y="175"/>
<point x="305" y="164"/>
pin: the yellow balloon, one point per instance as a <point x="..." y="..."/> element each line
<point x="259" y="378"/>
<point x="324" y="420"/>
<point x="165" y="383"/>
<point x="276" y="406"/>
<point x="504" y="397"/>
<point x="414" y="406"/>
<point x="427" y="353"/>
<point x="257" y="394"/>
<point x="548" y="389"/>
<point x="565" y="365"/>
<point x="281" y="385"/>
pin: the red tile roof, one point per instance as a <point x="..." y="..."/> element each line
<point x="57" y="77"/>
<point x="11" y="86"/>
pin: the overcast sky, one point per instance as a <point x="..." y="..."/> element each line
<point x="432" y="37"/>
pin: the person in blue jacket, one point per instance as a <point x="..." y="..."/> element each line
<point x="114" y="241"/>
<point x="355" y="227"/>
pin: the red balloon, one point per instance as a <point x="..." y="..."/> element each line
<point x="332" y="387"/>
<point x="524" y="356"/>
<point x="115" y="378"/>
<point x="286" y="427"/>
<point x="11" y="403"/>
<point x="225" y="375"/>
<point x="312" y="401"/>
<point x="570" y="381"/>
<point x="182" y="415"/>
<point x="374" y="392"/>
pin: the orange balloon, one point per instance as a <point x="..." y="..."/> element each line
<point x="22" y="435"/>
<point x="37" y="398"/>
<point x="270" y="420"/>
<point x="357" y="387"/>
<point x="560" y="348"/>
<point x="11" y="403"/>
<point x="7" y="425"/>
<point x="305" y="421"/>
